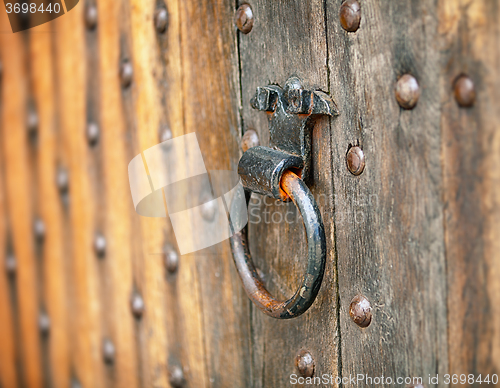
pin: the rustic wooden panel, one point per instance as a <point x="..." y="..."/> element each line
<point x="8" y="349"/>
<point x="288" y="38"/>
<point x="471" y="152"/>
<point x="389" y="222"/>
<point x="86" y="304"/>
<point x="19" y="201"/>
<point x="210" y="108"/>
<point x="52" y="272"/>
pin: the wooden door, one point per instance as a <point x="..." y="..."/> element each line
<point x="95" y="295"/>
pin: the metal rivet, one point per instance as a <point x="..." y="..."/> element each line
<point x="355" y="159"/>
<point x="161" y="20"/>
<point x="44" y="323"/>
<point x="126" y="73"/>
<point x="137" y="305"/>
<point x="250" y="139"/>
<point x="75" y="384"/>
<point x="244" y="19"/>
<point x="465" y="92"/>
<point x="360" y="311"/>
<point x="165" y="134"/>
<point x="39" y="229"/>
<point x="92" y="133"/>
<point x="91" y="16"/>
<point x="407" y="91"/>
<point x="99" y="245"/>
<point x="62" y="180"/>
<point x="171" y="258"/>
<point x="208" y="209"/>
<point x="11" y="264"/>
<point x="176" y="377"/>
<point x="350" y="15"/>
<point x="32" y="122"/>
<point x="304" y="363"/>
<point x="108" y="351"/>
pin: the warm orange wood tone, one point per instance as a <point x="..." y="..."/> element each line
<point x="417" y="232"/>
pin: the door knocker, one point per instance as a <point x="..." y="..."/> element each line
<point x="280" y="172"/>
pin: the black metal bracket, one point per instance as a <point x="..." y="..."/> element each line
<point x="291" y="113"/>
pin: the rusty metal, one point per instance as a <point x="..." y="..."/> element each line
<point x="39" y="229"/>
<point x="92" y="133"/>
<point x="10" y="264"/>
<point x="355" y="160"/>
<point x="244" y="19"/>
<point x="208" y="208"/>
<point x="350" y="15"/>
<point x="100" y="245"/>
<point x="304" y="363"/>
<point x="465" y="91"/>
<point x="170" y="258"/>
<point x="32" y="122"/>
<point x="250" y="139"/>
<point x="126" y="73"/>
<point x="137" y="305"/>
<point x="176" y="377"/>
<point x="271" y="171"/>
<point x="407" y="91"/>
<point x="304" y="297"/>
<point x="292" y="112"/>
<point x="108" y="351"/>
<point x="161" y="20"/>
<point x="165" y="134"/>
<point x="360" y="311"/>
<point x="62" y="179"/>
<point x="44" y="324"/>
<point x="90" y="16"/>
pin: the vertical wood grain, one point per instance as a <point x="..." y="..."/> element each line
<point x="389" y="219"/>
<point x="217" y="324"/>
<point x="470" y="155"/>
<point x="289" y="38"/>
<point x="49" y="202"/>
<point x="18" y="185"/>
<point x="86" y="319"/>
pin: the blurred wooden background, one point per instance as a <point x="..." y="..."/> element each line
<point x="427" y="253"/>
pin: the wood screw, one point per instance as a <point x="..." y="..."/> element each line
<point x="304" y="363"/>
<point x="137" y="305"/>
<point x="465" y="92"/>
<point x="126" y="73"/>
<point x="108" y="351"/>
<point x="243" y="18"/>
<point x="11" y="264"/>
<point x="176" y="377"/>
<point x="161" y="20"/>
<point x="250" y="139"/>
<point x="171" y="258"/>
<point x="100" y="245"/>
<point x="39" y="229"/>
<point x="90" y="16"/>
<point x="360" y="311"/>
<point x="44" y="324"/>
<point x="92" y="133"/>
<point x="350" y="15"/>
<point x="407" y="91"/>
<point x="355" y="159"/>
<point x="62" y="180"/>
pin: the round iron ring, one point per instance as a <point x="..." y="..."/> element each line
<point x="304" y="297"/>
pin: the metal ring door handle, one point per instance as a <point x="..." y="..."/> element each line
<point x="304" y="297"/>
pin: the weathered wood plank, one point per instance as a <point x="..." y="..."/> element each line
<point x="389" y="223"/>
<point x="50" y="208"/>
<point x="19" y="202"/>
<point x="288" y="38"/>
<point x="86" y="312"/>
<point x="216" y="324"/>
<point x="471" y="152"/>
<point x="8" y="348"/>
<point x="115" y="222"/>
